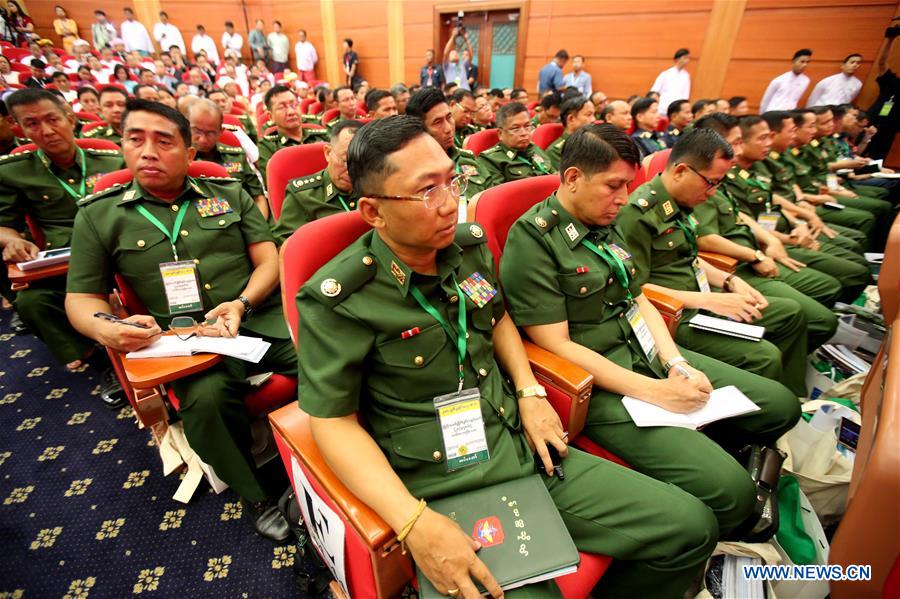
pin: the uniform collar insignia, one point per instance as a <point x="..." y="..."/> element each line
<point x="573" y="229"/>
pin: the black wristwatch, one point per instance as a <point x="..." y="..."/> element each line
<point x="248" y="308"/>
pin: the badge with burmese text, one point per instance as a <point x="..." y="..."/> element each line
<point x="462" y="428"/>
<point x="213" y="207"/>
<point x="479" y="290"/>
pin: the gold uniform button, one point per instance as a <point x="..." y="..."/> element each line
<point x="554" y="213"/>
<point x="493" y="321"/>
<point x="454" y="299"/>
<point x="141" y="243"/>
<point x="46" y="197"/>
<point x="437" y="455"/>
<point x="502" y="411"/>
<point x="71" y="181"/>
<point x="196" y="261"/>
<point x="633" y="271"/>
<point x="174" y="208"/>
<point x="583" y="290"/>
<point x="184" y="233"/>
<point x="367" y="260"/>
<point x="353" y="204"/>
<point x="609" y="282"/>
<point x="670" y="244"/>
<point x="482" y="372"/>
<point x="621" y="314"/>
<point x="467" y="334"/>
<point x="207" y="286"/>
<point x="221" y="222"/>
<point x="419" y="360"/>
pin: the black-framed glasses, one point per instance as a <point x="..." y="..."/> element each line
<point x="710" y="184"/>
<point x="434" y="197"/>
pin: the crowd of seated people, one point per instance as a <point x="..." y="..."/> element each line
<point x="385" y="326"/>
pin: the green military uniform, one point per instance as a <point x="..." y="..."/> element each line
<point x="311" y="118"/>
<point x="662" y="237"/>
<point x="670" y="135"/>
<point x="234" y="160"/>
<point x="739" y="191"/>
<point x="30" y="184"/>
<point x="107" y="133"/>
<point x="249" y="127"/>
<point x="111" y="236"/>
<point x="462" y="133"/>
<point x="554" y="150"/>
<point x="648" y="142"/>
<point x="477" y="177"/>
<point x="307" y="199"/>
<point x="273" y="142"/>
<point x="368" y="346"/>
<point x="555" y="269"/>
<point x="504" y="164"/>
<point x="772" y="172"/>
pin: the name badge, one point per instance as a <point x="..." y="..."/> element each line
<point x="462" y="210"/>
<point x="832" y="181"/>
<point x="768" y="220"/>
<point x="182" y="286"/>
<point x="462" y="428"/>
<point x="641" y="331"/>
<point x="700" y="275"/>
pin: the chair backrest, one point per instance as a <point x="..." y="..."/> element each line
<point x="93" y="125"/>
<point x="481" y="141"/>
<point x="95" y="144"/>
<point x="657" y="163"/>
<point x="229" y="139"/>
<point x="230" y="119"/>
<point x="87" y="116"/>
<point x="19" y="67"/>
<point x="18" y="131"/>
<point x="532" y="105"/>
<point x="309" y="249"/>
<point x="196" y="169"/>
<point x="290" y="163"/>
<point x="663" y="124"/>
<point x="237" y="110"/>
<point x="314" y="108"/>
<point x="889" y="275"/>
<point x="640" y="177"/>
<point x="499" y="207"/>
<point x="305" y="103"/>
<point x="330" y="114"/>
<point x="546" y="134"/>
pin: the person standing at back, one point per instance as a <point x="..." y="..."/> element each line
<point x="259" y="46"/>
<point x="579" y="78"/>
<point x="675" y="82"/>
<point x="550" y="77"/>
<point x="351" y="65"/>
<point x="784" y="91"/>
<point x="840" y="88"/>
<point x="455" y="70"/>
<point x="279" y="44"/>
<point x="306" y="56"/>
<point x="167" y="35"/>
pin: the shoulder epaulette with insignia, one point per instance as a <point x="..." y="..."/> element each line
<point x="646" y="135"/>
<point x="222" y="180"/>
<point x="469" y="234"/>
<point x="102" y="151"/>
<point x="17" y="157"/>
<point x="308" y="182"/>
<point x="466" y="152"/>
<point x="92" y="132"/>
<point x="226" y="149"/>
<point x="271" y="136"/>
<point x="644" y="201"/>
<point x="492" y="149"/>
<point x="545" y="220"/>
<point x="109" y="191"/>
<point x="560" y="144"/>
<point x="339" y="280"/>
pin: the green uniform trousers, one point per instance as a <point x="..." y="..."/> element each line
<point x="780" y="356"/>
<point x="42" y="308"/>
<point x="806" y="288"/>
<point x="216" y="421"/>
<point x="852" y="273"/>
<point x="615" y="511"/>
<point x="850" y="218"/>
<point x="701" y="462"/>
<point x="851" y="239"/>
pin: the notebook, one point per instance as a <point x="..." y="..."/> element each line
<point x="751" y="332"/>
<point x="249" y="349"/>
<point x="724" y="402"/>
<point x="522" y="535"/>
<point x="46" y="258"/>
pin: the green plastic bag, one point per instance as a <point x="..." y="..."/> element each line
<point x="791" y="535"/>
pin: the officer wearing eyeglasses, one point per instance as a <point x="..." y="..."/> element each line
<point x="326" y="192"/>
<point x="515" y="156"/>
<point x="196" y="248"/>
<point x="411" y="311"/>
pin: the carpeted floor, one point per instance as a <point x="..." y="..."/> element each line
<point x="86" y="512"/>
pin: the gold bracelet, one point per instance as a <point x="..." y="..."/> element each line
<point x="407" y="528"/>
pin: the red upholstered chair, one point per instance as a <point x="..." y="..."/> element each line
<point x="93" y="125"/>
<point x="330" y="114"/>
<point x="229" y="139"/>
<point x="663" y="124"/>
<point x="196" y="169"/>
<point x="657" y="162"/>
<point x="19" y="67"/>
<point x="314" y="108"/>
<point x="290" y="163"/>
<point x="233" y="121"/>
<point x="87" y="116"/>
<point x="481" y="141"/>
<point x="374" y="566"/>
<point x="305" y="103"/>
<point x="532" y="105"/>
<point x="546" y="134"/>
<point x="96" y="144"/>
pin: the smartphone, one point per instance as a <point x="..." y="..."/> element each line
<point x="555" y="459"/>
<point x="848" y="434"/>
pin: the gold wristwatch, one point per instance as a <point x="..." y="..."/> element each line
<point x="532" y="391"/>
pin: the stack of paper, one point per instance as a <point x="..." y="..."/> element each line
<point x="724" y="402"/>
<point x="735" y="584"/>
<point x="724" y="326"/>
<point x="249" y="349"/>
<point x="874" y="257"/>
<point x="843" y="359"/>
<point x="46" y="258"/>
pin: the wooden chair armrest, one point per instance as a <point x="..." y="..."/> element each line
<point x="23" y="277"/>
<point x="669" y="307"/>
<point x="573" y="384"/>
<point x="292" y="425"/>
<point x="720" y="261"/>
<point x="147" y="373"/>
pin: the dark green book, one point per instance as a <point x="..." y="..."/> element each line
<point x="522" y="535"/>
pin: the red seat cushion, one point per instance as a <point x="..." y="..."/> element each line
<point x="279" y="390"/>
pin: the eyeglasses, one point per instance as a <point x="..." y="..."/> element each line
<point x="434" y="197"/>
<point x="710" y="184"/>
<point x="204" y="133"/>
<point x="521" y="129"/>
<point x="184" y="327"/>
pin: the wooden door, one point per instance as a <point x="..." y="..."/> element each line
<point x="494" y="39"/>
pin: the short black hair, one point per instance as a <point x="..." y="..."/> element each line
<point x="112" y="89"/>
<point x="776" y="118"/>
<point x="675" y="107"/>
<point x="137" y="89"/>
<point x="507" y="111"/>
<point x="849" y="56"/>
<point x="701" y="104"/>
<point x="568" y="93"/>
<point x="142" y="71"/>
<point x="681" y="52"/>
<point x="170" y="114"/>
<point x="593" y="148"/>
<point x="87" y="89"/>
<point x="274" y="91"/>
<point x="32" y="95"/>
<point x="820" y="110"/>
<point x="719" y="122"/>
<point x="450" y="87"/>
<point x="343" y="125"/>
<point x="424" y="100"/>
<point x="735" y="101"/>
<point x="801" y="52"/>
<point x="62" y="75"/>
<point x="374" y="96"/>
<point x="561" y="54"/>
<point x="334" y="94"/>
<point x="163" y="13"/>
<point x="496" y="92"/>
<point x="460" y="95"/>
<point x="698" y="148"/>
<point x="571" y="106"/>
<point x="641" y="106"/>
<point x="229" y="24"/>
<point x="368" y="158"/>
<point x="99" y="12"/>
<point x="38" y="64"/>
<point x="349" y="42"/>
<point x="748" y="122"/>
<point x="215" y="90"/>
<point x="276" y="22"/>
<point x="551" y="100"/>
<point x="839" y="110"/>
<point x="519" y="90"/>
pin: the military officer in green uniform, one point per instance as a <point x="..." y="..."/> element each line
<point x="515" y="156"/>
<point x="661" y="233"/>
<point x="285" y="110"/>
<point x="726" y="227"/>
<point x="548" y="110"/>
<point x="576" y="112"/>
<point x="462" y="105"/>
<point x="112" y="106"/>
<point x="430" y="105"/>
<point x="205" y="118"/>
<point x="680" y="116"/>
<point x="386" y="327"/>
<point x="566" y="273"/>
<point x="226" y="104"/>
<point x="197" y="249"/>
<point x="645" y="113"/>
<point x="327" y="192"/>
<point x="45" y="186"/>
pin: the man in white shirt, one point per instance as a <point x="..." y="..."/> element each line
<point x="784" y="91"/>
<point x="306" y="58"/>
<point x="280" y="46"/>
<point x="232" y="42"/>
<point x="840" y="88"/>
<point x="135" y="35"/>
<point x="203" y="43"/>
<point x="167" y="35"/>
<point x="579" y="78"/>
<point x="674" y="83"/>
<point x="100" y="73"/>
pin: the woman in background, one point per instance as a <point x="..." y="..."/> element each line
<point x="66" y="28"/>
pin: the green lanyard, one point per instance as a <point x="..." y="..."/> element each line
<point x="689" y="233"/>
<point x="82" y="187"/>
<point x="458" y="336"/>
<point x="536" y="165"/>
<point x="173" y="234"/>
<point x="613" y="261"/>
<point x="343" y="203"/>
